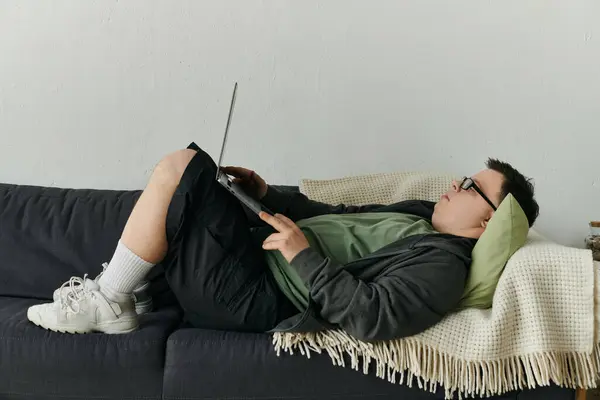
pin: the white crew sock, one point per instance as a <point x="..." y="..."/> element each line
<point x="124" y="273"/>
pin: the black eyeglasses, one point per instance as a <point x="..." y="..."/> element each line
<point x="469" y="183"/>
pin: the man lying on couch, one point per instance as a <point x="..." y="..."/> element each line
<point x="378" y="272"/>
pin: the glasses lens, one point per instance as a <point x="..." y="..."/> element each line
<point x="466" y="184"/>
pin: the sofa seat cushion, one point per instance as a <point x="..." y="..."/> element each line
<point x="206" y="364"/>
<point x="40" y="364"/>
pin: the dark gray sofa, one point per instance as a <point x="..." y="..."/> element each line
<point x="48" y="235"/>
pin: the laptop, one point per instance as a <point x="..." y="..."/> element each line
<point x="224" y="179"/>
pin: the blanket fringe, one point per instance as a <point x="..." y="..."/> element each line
<point x="408" y="360"/>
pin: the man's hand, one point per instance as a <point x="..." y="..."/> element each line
<point x="252" y="184"/>
<point x="289" y="241"/>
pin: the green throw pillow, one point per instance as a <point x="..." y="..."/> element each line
<point x="504" y="235"/>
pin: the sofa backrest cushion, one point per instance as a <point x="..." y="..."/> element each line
<point x="48" y="235"/>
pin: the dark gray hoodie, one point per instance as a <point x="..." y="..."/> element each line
<point x="400" y="290"/>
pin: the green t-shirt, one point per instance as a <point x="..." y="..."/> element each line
<point x="343" y="238"/>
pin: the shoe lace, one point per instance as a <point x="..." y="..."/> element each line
<point x="104" y="266"/>
<point x="72" y="292"/>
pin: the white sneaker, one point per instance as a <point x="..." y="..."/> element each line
<point x="143" y="302"/>
<point x="82" y="308"/>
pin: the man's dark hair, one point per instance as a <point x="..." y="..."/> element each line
<point x="518" y="185"/>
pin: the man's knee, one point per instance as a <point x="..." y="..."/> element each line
<point x="170" y="169"/>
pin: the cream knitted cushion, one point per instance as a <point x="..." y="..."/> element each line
<point x="385" y="188"/>
<point x="541" y="328"/>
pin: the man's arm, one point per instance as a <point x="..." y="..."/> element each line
<point x="404" y="302"/>
<point x="417" y="289"/>
<point x="294" y="205"/>
<point x="297" y="206"/>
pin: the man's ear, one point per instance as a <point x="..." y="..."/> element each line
<point x="487" y="220"/>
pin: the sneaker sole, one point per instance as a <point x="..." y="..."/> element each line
<point x="127" y="325"/>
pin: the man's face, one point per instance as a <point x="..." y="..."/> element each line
<point x="465" y="212"/>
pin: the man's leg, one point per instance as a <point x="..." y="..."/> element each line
<point x="107" y="305"/>
<point x="144" y="242"/>
<point x="144" y="233"/>
<point x="215" y="265"/>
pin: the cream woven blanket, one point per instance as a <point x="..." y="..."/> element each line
<point x="540" y="329"/>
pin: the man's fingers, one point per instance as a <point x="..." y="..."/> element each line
<point x="278" y="221"/>
<point x="273" y="245"/>
<point x="231" y="168"/>
<point x="237" y="171"/>
<point x="273" y="221"/>
<point x="274" y="237"/>
<point x="286" y="220"/>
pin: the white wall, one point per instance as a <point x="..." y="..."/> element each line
<point x="92" y="93"/>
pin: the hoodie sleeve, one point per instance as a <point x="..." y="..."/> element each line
<point x="297" y="206"/>
<point x="413" y="296"/>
